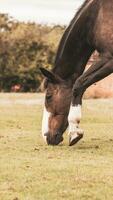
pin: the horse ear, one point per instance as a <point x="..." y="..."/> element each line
<point x="49" y="75"/>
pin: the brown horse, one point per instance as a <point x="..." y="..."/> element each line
<point x="91" y="29"/>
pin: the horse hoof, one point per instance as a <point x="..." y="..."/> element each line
<point x="74" y="138"/>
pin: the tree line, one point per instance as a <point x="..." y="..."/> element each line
<point x="24" y="48"/>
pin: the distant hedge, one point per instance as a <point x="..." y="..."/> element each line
<point x="24" y="47"/>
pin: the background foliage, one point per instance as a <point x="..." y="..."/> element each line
<point x="24" y="47"/>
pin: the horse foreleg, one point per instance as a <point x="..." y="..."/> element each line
<point x="74" y="117"/>
<point x="95" y="73"/>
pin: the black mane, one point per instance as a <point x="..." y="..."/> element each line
<point x="74" y="50"/>
<point x="64" y="37"/>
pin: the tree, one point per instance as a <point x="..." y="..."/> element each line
<point x="24" y="48"/>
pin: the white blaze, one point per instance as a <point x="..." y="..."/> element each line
<point x="45" y="122"/>
<point x="74" y="118"/>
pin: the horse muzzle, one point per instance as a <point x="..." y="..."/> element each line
<point x="53" y="139"/>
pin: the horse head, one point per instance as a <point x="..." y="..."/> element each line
<point x="56" y="109"/>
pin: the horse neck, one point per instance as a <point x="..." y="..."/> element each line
<point x="76" y="45"/>
<point x="73" y="60"/>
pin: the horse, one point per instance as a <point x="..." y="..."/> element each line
<point x="91" y="29"/>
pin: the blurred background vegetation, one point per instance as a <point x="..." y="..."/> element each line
<point x="24" y="47"/>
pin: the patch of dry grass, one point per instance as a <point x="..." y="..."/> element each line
<point x="31" y="170"/>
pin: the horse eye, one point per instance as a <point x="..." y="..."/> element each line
<point x="48" y="97"/>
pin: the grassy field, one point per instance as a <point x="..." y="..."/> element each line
<point x="31" y="170"/>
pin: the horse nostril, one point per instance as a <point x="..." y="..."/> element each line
<point x="55" y="139"/>
<point x="48" y="139"/>
<point x="46" y="134"/>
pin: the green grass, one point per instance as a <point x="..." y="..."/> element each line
<point x="31" y="170"/>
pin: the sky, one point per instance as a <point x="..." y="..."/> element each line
<point x="41" y="11"/>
